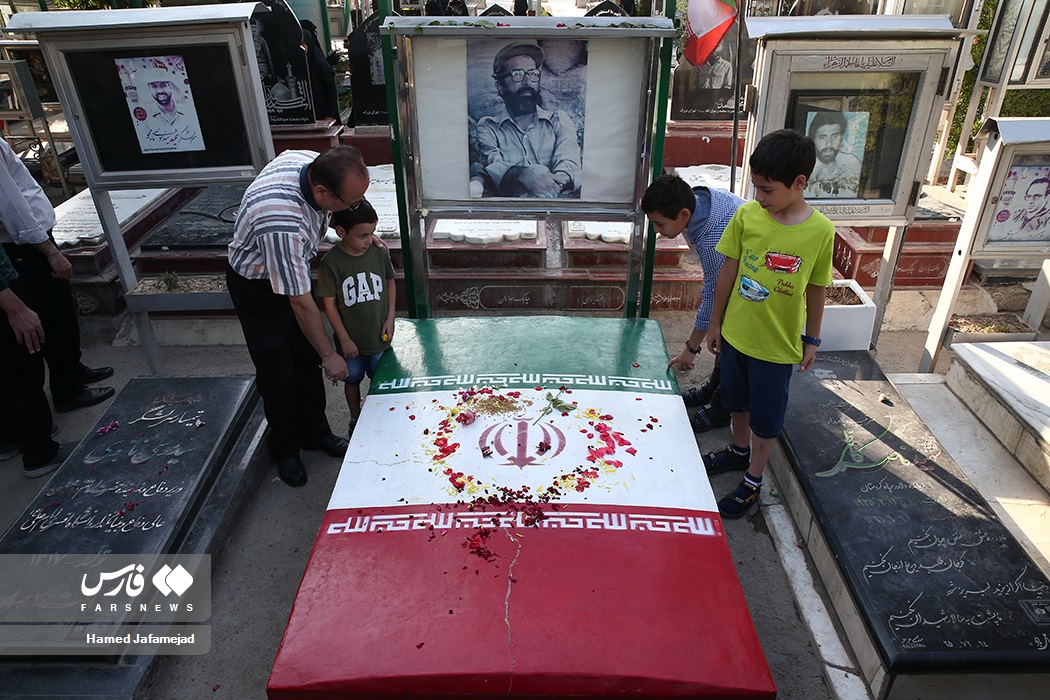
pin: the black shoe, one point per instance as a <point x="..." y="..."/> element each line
<point x="8" y="450"/>
<point x="332" y="445"/>
<point x="292" y="471"/>
<point x="88" y="397"/>
<point x="726" y="460"/>
<point x="699" y="396"/>
<point x="90" y="376"/>
<point x="709" y="418"/>
<point x="64" y="450"/>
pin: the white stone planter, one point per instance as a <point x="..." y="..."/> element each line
<point x="848" y="327"/>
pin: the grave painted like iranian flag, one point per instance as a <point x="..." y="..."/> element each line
<point x="522" y="511"/>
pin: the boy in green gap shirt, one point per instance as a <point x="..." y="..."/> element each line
<point x="356" y="285"/>
<point x="769" y="303"/>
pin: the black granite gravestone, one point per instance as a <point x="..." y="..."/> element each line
<point x="282" y="63"/>
<point x="606" y="8"/>
<point x="367" y="81"/>
<point x="229" y="440"/>
<point x="137" y="479"/>
<point x="940" y="582"/>
<point x="206" y="221"/>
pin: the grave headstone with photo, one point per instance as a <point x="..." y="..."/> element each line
<point x="705" y="93"/>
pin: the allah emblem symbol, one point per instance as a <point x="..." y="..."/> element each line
<point x="523" y="454"/>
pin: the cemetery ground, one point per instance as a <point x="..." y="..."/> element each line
<point x="257" y="573"/>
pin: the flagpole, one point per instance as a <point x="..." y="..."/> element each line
<point x="736" y="97"/>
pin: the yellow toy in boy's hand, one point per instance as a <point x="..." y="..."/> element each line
<point x="385" y="337"/>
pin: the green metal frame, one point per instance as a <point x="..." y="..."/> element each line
<point x="638" y="293"/>
<point x="657" y="163"/>
<point x="418" y="304"/>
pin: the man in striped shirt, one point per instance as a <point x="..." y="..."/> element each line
<point x="282" y="217"/>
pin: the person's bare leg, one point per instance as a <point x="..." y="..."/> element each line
<point x="353" y="399"/>
<point x="741" y="424"/>
<point x="760" y="451"/>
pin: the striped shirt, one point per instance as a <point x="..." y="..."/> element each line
<point x="714" y="209"/>
<point x="279" y="226"/>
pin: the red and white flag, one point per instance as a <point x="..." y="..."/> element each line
<point x="706" y="23"/>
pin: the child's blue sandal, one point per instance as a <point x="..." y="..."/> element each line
<point x="739" y="500"/>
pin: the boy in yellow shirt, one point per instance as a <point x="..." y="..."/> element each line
<point x="769" y="303"/>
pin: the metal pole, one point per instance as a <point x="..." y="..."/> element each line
<point x="736" y="102"/>
<point x="418" y="304"/>
<point x="659" y="134"/>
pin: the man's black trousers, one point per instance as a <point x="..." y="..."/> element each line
<point x="287" y="368"/>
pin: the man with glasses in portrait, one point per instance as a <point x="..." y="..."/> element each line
<point x="282" y="217"/>
<point x="525" y="150"/>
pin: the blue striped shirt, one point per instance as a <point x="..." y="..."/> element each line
<point x="278" y="228"/>
<point x="714" y="209"/>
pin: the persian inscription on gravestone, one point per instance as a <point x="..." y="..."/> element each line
<point x="937" y="576"/>
<point x="135" y="480"/>
<point x="206" y="221"/>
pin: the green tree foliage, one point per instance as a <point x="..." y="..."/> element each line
<point x="88" y="4"/>
<point x="1016" y="103"/>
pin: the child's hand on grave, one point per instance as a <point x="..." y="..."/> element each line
<point x="388" y="332"/>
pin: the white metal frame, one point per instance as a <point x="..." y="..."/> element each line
<point x="926" y="46"/>
<point x="62" y="36"/>
<point x="1005" y="139"/>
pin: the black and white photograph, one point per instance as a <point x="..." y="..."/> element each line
<point x="1022" y="210"/>
<point x="160" y="100"/>
<point x="526" y="101"/>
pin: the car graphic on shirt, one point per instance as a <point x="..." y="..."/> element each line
<point x="752" y="290"/>
<point x="783" y="262"/>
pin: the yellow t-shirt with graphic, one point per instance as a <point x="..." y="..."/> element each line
<point x="766" y="314"/>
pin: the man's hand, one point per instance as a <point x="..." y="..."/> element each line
<point x="538" y="180"/>
<point x="308" y="316"/>
<point x="61" y="268"/>
<point x="24" y="321"/>
<point x="335" y="367"/>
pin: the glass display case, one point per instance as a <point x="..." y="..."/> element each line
<point x="868" y="90"/>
